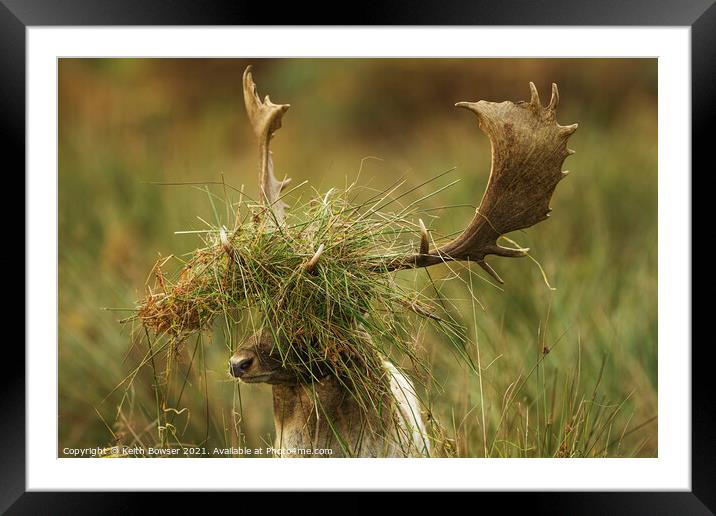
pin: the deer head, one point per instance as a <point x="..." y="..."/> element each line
<point x="528" y="149"/>
<point x="258" y="360"/>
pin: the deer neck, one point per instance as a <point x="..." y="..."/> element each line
<point x="321" y="419"/>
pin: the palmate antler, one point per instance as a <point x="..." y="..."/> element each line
<point x="265" y="118"/>
<point x="528" y="149"/>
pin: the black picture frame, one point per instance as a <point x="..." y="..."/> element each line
<point x="17" y="15"/>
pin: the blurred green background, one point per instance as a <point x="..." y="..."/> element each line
<point x="127" y="123"/>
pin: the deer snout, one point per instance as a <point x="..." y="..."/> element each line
<point x="241" y="363"/>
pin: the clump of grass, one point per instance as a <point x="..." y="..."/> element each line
<point x="345" y="312"/>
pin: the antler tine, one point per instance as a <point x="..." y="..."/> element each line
<point x="528" y="149"/>
<point x="486" y="267"/>
<point x="265" y="118"/>
<point x="554" y="100"/>
<point x="424" y="238"/>
<point x="534" y="96"/>
<point x="311" y="264"/>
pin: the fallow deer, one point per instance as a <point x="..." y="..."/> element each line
<point x="318" y="411"/>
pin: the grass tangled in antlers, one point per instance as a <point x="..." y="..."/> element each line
<point x="345" y="312"/>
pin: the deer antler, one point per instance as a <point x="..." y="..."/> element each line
<point x="528" y="149"/>
<point x="265" y="118"/>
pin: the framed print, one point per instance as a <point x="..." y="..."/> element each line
<point x="451" y="251"/>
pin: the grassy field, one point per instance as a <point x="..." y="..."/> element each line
<point x="570" y="372"/>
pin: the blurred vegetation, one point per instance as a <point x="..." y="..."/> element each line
<point x="565" y="372"/>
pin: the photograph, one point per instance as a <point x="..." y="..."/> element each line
<point x="357" y="258"/>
